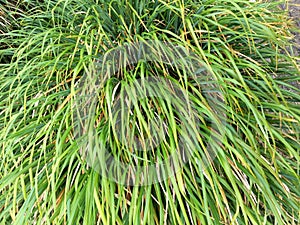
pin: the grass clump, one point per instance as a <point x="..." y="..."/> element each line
<point x="47" y="46"/>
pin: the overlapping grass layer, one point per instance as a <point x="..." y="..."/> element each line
<point x="46" y="46"/>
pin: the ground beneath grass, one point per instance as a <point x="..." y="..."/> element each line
<point x="295" y="14"/>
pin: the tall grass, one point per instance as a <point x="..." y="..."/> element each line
<point x="47" y="46"/>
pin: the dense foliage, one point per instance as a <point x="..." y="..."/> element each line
<point x="46" y="46"/>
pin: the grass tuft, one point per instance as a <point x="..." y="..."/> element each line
<point x="47" y="46"/>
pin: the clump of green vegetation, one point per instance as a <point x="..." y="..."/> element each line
<point x="47" y="46"/>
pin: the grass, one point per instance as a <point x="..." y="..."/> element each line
<point x="47" y="46"/>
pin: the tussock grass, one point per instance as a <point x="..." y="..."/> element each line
<point x="50" y="44"/>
